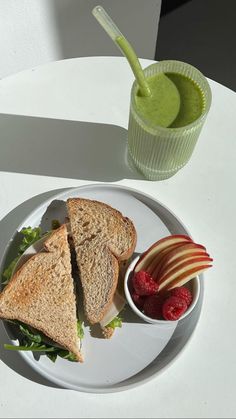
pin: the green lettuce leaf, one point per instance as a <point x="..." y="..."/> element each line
<point x="116" y="322"/>
<point x="7" y="274"/>
<point x="80" y="330"/>
<point x="30" y="236"/>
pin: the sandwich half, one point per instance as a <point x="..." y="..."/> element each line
<point x="104" y="240"/>
<point x="41" y="295"/>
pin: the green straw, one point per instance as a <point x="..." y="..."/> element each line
<point x="127" y="50"/>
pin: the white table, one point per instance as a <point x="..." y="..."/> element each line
<point x="201" y="382"/>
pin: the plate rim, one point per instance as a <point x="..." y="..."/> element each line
<point x="114" y="387"/>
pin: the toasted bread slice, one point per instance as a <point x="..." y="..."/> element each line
<point x="102" y="238"/>
<point x="41" y="294"/>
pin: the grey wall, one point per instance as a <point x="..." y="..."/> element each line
<point x="137" y="19"/>
<point x="33" y="32"/>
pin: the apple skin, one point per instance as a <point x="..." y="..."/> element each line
<point x="184" y="251"/>
<point x="185" y="277"/>
<point x="178" y="261"/>
<point x="157" y="259"/>
<point x="173" y="261"/>
<point x="182" y="267"/>
<point x="176" y="275"/>
<point x="157" y="247"/>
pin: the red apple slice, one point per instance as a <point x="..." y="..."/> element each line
<point x="157" y="259"/>
<point x="160" y="245"/>
<point x="176" y="273"/>
<point x="185" y="277"/>
<point x="175" y="263"/>
<point x="186" y="250"/>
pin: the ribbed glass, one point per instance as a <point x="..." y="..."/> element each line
<point x="159" y="152"/>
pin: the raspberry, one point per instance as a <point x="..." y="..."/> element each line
<point x="182" y="292"/>
<point x="173" y="308"/>
<point x="153" y="306"/>
<point x="138" y="300"/>
<point x="144" y="284"/>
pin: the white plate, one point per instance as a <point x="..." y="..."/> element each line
<point x="137" y="351"/>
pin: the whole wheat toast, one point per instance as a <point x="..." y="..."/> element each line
<point x="41" y="294"/>
<point x="102" y="238"/>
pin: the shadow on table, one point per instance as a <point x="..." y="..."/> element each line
<point x="61" y="148"/>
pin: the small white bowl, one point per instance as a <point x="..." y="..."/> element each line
<point x="193" y="285"/>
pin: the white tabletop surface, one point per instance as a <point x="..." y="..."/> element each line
<point x="202" y="381"/>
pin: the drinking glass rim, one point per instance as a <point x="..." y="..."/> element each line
<point x="193" y="124"/>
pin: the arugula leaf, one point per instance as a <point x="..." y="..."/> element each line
<point x="33" y="337"/>
<point x="80" y="330"/>
<point x="52" y="356"/>
<point x="34" y="342"/>
<point x="34" y="347"/>
<point x="67" y="355"/>
<point x="116" y="322"/>
<point x="30" y="236"/>
<point x="63" y="354"/>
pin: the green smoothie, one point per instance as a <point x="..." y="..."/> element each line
<point x="160" y="108"/>
<point x="166" y="102"/>
<point x="165" y="99"/>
